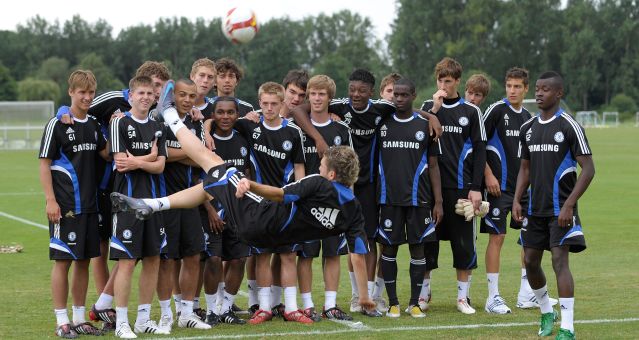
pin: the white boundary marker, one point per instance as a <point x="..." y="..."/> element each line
<point x="392" y="329"/>
<point x="20" y="219"/>
<point x="26" y="193"/>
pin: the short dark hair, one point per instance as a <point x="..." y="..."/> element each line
<point x="558" y="79"/>
<point x="406" y="82"/>
<point x="298" y="78"/>
<point x="226" y="64"/>
<point x="185" y="81"/>
<point x="224" y="99"/>
<point x="364" y="76"/>
<point x="517" y="73"/>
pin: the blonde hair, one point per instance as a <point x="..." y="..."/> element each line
<point x="322" y="82"/>
<point x="82" y="79"/>
<point x="139" y="81"/>
<point x="344" y="161"/>
<point x="391" y="78"/>
<point x="203" y="62"/>
<point x="478" y="83"/>
<point x="271" y="88"/>
<point x="154" y="68"/>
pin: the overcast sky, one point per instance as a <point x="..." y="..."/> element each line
<point x="121" y="14"/>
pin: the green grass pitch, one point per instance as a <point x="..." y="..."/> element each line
<point x="606" y="274"/>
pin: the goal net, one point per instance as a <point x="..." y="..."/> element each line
<point x="610" y="119"/>
<point x="587" y="118"/>
<point x="22" y="123"/>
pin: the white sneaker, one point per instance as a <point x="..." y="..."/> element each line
<point x="381" y="304"/>
<point x="464" y="307"/>
<point x="192" y="321"/>
<point x="149" y="327"/>
<point x="355" y="307"/>
<point x="529" y="300"/>
<point x="124" y="331"/>
<point x="424" y="303"/>
<point x="496" y="305"/>
<point x="166" y="323"/>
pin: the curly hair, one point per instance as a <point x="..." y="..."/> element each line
<point x="344" y="161"/>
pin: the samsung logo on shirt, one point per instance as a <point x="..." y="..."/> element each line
<point x="360" y="132"/>
<point x="543" y="147"/>
<point x="85" y="147"/>
<point x="400" y="144"/>
<point x="512" y="133"/>
<point x="272" y="153"/>
<point x="140" y="145"/>
<point x="173" y="144"/>
<point x="452" y="129"/>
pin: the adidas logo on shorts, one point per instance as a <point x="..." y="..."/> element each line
<point x="326" y="216"/>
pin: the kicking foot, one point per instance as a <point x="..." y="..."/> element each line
<point x="123" y="203"/>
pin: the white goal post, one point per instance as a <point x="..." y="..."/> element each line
<point x="587" y="118"/>
<point x="612" y="116"/>
<point x="21" y="123"/>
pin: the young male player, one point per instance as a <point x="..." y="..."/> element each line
<point x="477" y="89"/>
<point x="228" y="77"/>
<point x="321" y="90"/>
<point x="551" y="145"/>
<point x="280" y="216"/>
<point x="462" y="164"/>
<point x="132" y="137"/>
<point x="183" y="228"/>
<point x="223" y="242"/>
<point x="502" y="121"/>
<point x="387" y="84"/>
<point x="408" y="189"/>
<point x="67" y="173"/>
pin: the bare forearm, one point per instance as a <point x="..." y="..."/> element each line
<point x="361" y="275"/>
<point x="522" y="181"/>
<point x="583" y="181"/>
<point x="267" y="191"/>
<point x="435" y="179"/>
<point x="46" y="180"/>
<point x="156" y="167"/>
<point x="175" y="155"/>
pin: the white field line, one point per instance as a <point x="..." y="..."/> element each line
<point x="392" y="329"/>
<point x="26" y="193"/>
<point x="351" y="324"/>
<point x="20" y="219"/>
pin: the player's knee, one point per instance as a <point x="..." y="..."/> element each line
<point x="532" y="262"/>
<point x="560" y="262"/>
<point x="496" y="240"/>
<point x="416" y="250"/>
<point x="389" y="251"/>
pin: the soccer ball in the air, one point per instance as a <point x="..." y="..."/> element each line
<point x="239" y="25"/>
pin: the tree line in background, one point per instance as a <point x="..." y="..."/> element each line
<point x="591" y="43"/>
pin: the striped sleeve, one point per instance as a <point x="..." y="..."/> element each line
<point x="49" y="144"/>
<point x="117" y="139"/>
<point x="579" y="143"/>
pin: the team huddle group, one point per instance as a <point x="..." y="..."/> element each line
<point x="202" y="188"/>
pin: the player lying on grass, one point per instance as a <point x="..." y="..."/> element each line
<point x="313" y="208"/>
